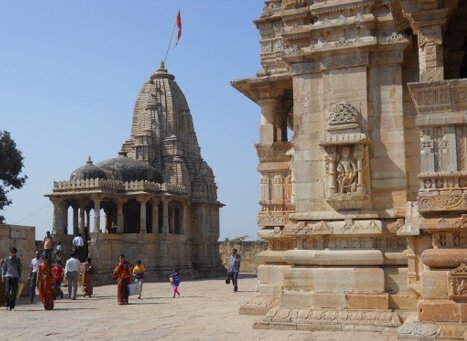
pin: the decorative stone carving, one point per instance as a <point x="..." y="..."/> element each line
<point x="343" y="115"/>
<point x="443" y="202"/>
<point x="376" y="319"/>
<point x="304" y="68"/>
<point x="395" y="226"/>
<point x="346" y="173"/>
<point x="457" y="279"/>
<point x="349" y="226"/>
<point x="272" y="219"/>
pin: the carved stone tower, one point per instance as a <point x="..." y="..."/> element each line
<point x="362" y="226"/>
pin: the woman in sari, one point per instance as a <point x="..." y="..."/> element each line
<point x="45" y="284"/>
<point x="122" y="274"/>
<point x="88" y="278"/>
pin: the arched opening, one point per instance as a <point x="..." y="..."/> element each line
<point x="131" y="210"/>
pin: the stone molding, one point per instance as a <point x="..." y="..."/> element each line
<point x="348" y="226"/>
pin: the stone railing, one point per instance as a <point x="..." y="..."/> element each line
<point x="143" y="185"/>
<point x="442" y="191"/>
<point x="88" y="184"/>
<point x="179" y="189"/>
<point x="442" y="181"/>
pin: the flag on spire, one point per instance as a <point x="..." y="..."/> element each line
<point x="179" y="25"/>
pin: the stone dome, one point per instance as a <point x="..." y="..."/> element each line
<point x="124" y="168"/>
<point x="88" y="171"/>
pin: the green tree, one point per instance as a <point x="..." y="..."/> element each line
<point x="11" y="165"/>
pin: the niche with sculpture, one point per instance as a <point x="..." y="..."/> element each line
<point x="346" y="158"/>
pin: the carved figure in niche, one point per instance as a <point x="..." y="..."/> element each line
<point x="346" y="172"/>
<point x="462" y="288"/>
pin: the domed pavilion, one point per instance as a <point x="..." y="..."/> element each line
<point x="156" y="201"/>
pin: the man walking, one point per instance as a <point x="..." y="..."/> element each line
<point x="11" y="273"/>
<point x="33" y="268"/>
<point x="48" y="244"/>
<point x="78" y="246"/>
<point x="72" y="276"/>
<point x="234" y="268"/>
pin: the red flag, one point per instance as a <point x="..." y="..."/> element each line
<point x="179" y="25"/>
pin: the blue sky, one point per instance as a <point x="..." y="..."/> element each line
<point x="70" y="72"/>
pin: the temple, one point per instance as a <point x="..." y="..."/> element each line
<point x="362" y="160"/>
<point x="158" y="196"/>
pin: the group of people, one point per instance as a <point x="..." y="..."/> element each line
<point x="124" y="278"/>
<point x="48" y="277"/>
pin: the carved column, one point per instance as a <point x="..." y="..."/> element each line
<point x="268" y="132"/>
<point x="58" y="227"/>
<point x="120" y="217"/>
<point x="331" y="164"/>
<point x="142" y="214"/>
<point x="165" y="215"/>
<point x="97" y="218"/>
<point x="75" y="220"/>
<point x="184" y="217"/>
<point x="430" y="50"/>
<point x="64" y="217"/>
<point x="81" y="219"/>
<point x="155" y="215"/>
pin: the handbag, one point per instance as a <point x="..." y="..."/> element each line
<point x="20" y="289"/>
<point x="227" y="280"/>
<point x="133" y="288"/>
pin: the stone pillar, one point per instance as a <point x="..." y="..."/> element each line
<point x="142" y="214"/>
<point x="120" y="217"/>
<point x="57" y="225"/>
<point x="64" y="217"/>
<point x="88" y="218"/>
<point x="184" y="218"/>
<point x="97" y="217"/>
<point x="75" y="220"/>
<point x="268" y="131"/>
<point x="81" y="220"/>
<point x="155" y="215"/>
<point x="430" y="51"/>
<point x="165" y="215"/>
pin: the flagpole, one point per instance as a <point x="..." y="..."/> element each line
<point x="170" y="42"/>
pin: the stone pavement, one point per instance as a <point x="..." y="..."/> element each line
<point x="206" y="310"/>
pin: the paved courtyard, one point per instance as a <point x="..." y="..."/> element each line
<point x="206" y="310"/>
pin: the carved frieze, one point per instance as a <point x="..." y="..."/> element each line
<point x="444" y="223"/>
<point x="395" y="226"/>
<point x="349" y="226"/>
<point x="305" y="67"/>
<point x="331" y="316"/>
<point x="457" y="279"/>
<point x="442" y="202"/>
<point x="387" y="57"/>
<point x="272" y="218"/>
<point x="345" y="61"/>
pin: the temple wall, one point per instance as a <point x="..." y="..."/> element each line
<point x="248" y="251"/>
<point x="23" y="238"/>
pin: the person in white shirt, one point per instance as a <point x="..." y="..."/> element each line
<point x="72" y="276"/>
<point x="78" y="246"/>
<point x="33" y="268"/>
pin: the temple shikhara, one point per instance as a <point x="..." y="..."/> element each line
<point x="156" y="201"/>
<point x="363" y="166"/>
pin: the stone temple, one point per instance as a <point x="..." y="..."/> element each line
<point x="363" y="166"/>
<point x="158" y="197"/>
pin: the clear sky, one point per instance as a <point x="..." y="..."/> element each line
<point x="70" y="72"/>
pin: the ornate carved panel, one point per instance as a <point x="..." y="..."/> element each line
<point x="458" y="283"/>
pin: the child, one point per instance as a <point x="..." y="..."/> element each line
<point x="174" y="279"/>
<point x="138" y="272"/>
<point x="57" y="273"/>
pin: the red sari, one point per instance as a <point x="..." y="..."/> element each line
<point x="45" y="284"/>
<point x="122" y="275"/>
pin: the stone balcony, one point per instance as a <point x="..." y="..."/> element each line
<point x="440" y="103"/>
